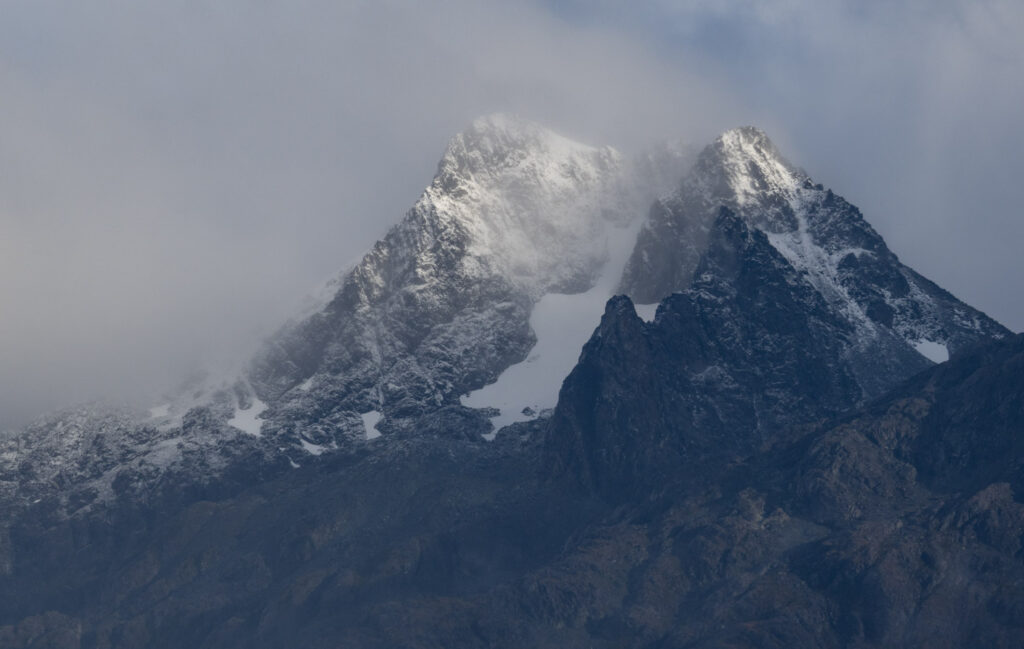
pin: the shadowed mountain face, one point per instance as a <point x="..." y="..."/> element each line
<point x="895" y="525"/>
<point x="773" y="461"/>
<point x="748" y="352"/>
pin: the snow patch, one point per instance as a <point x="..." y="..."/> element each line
<point x="563" y="324"/>
<point x="165" y="452"/>
<point x="370" y="421"/>
<point x="646" y="311"/>
<point x="935" y="352"/>
<point x="248" y="420"/>
<point x="312" y="449"/>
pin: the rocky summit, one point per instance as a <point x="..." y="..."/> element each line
<point x="471" y="441"/>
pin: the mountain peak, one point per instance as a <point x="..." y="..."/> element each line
<point x="500" y="143"/>
<point x="743" y="165"/>
<point x="747" y="136"/>
<point x="751" y="144"/>
<point x="527" y="197"/>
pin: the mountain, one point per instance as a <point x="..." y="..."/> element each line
<point x="515" y="217"/>
<point x="734" y="362"/>
<point x="893" y="311"/>
<point x="771" y="457"/>
<point x="441" y="306"/>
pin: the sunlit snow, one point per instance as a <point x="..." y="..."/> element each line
<point x="935" y="352"/>
<point x="312" y="449"/>
<point x="248" y="420"/>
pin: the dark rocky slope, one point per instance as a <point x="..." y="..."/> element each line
<point x="895" y="525"/>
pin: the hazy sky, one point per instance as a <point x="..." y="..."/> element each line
<point x="174" y="178"/>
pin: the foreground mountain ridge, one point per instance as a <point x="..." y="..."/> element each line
<point x="896" y="524"/>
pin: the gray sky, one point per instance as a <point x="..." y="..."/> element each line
<point x="174" y="178"/>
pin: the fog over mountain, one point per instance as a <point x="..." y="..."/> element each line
<point x="174" y="179"/>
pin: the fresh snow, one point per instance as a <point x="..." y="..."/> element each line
<point x="312" y="449"/>
<point x="646" y="311"/>
<point x="528" y="213"/>
<point x="742" y="148"/>
<point x="935" y="352"/>
<point x="248" y="420"/>
<point x="562" y="324"/>
<point x="370" y="420"/>
<point x="164" y="452"/>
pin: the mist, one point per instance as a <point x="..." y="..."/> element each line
<point x="174" y="179"/>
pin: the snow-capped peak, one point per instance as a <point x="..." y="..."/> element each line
<point x="826" y="239"/>
<point x="523" y="194"/>
<point x="743" y="167"/>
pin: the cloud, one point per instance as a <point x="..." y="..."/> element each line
<point x="175" y="176"/>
